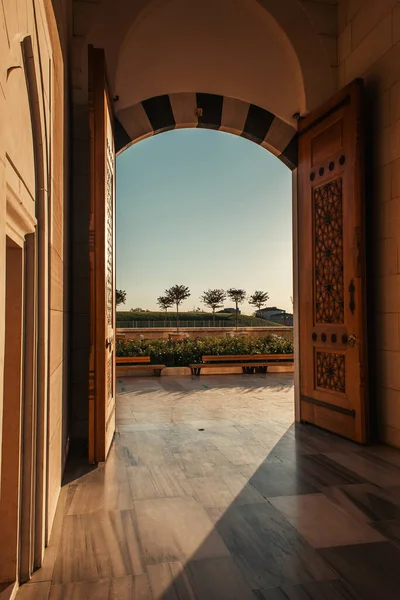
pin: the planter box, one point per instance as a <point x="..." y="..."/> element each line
<point x="182" y="371"/>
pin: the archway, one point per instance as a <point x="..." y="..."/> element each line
<point x="241" y="68"/>
<point x="208" y="111"/>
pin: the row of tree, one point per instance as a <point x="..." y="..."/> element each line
<point x="213" y="299"/>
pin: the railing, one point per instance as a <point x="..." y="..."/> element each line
<point x="172" y="324"/>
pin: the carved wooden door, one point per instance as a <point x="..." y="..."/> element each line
<point x="102" y="262"/>
<point x="332" y="313"/>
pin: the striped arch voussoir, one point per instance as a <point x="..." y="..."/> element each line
<point x="209" y="111"/>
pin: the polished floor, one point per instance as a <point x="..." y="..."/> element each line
<point x="211" y="492"/>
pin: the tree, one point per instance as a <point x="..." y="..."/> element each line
<point x="120" y="297"/>
<point x="213" y="299"/>
<point x="258" y="299"/>
<point x="164" y="302"/>
<point x="177" y="294"/>
<point x="238" y="296"/>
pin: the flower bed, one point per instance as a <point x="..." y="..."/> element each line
<point x="181" y="353"/>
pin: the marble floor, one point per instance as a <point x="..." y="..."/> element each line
<point x="211" y="492"/>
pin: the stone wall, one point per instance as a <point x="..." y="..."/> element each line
<point x="33" y="222"/>
<point x="369" y="47"/>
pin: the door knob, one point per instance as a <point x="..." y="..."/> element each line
<point x="352" y="340"/>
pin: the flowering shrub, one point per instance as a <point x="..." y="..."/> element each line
<point x="181" y="353"/>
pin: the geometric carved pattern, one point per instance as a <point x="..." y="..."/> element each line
<point x="109" y="244"/>
<point x="331" y="371"/>
<point x="110" y="378"/>
<point x="328" y="232"/>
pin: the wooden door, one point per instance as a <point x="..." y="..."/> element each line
<point x="332" y="312"/>
<point x="102" y="262"/>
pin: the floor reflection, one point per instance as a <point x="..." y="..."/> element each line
<point x="211" y="492"/>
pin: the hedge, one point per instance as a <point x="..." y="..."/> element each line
<point x="180" y="353"/>
<point x="243" y="320"/>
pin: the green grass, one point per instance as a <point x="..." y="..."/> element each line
<point x="243" y="320"/>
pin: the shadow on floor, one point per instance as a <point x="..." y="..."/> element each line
<point x="244" y="507"/>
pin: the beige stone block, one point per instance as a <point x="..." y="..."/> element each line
<point x="342" y="15"/>
<point x="84" y="14"/>
<point x="136" y="122"/>
<point x="389" y="369"/>
<point x="387" y="257"/>
<point x="56" y="336"/>
<point x="323" y="16"/>
<point x="80" y="359"/>
<point x="81" y="158"/>
<point x="55" y="401"/>
<point x="78" y="92"/>
<point x="389" y="218"/>
<point x="54" y="477"/>
<point x="387" y="290"/>
<point x="55" y="440"/>
<point x="372" y="13"/>
<point x="395" y="140"/>
<point x="396" y="23"/>
<point x="57" y="225"/>
<point x="342" y="75"/>
<point x="352" y="7"/>
<point x="80" y="342"/>
<point x="384" y="149"/>
<point x="45" y="48"/>
<point x="57" y="239"/>
<point x="4" y="50"/>
<point x="80" y="260"/>
<point x="389" y="407"/>
<point x="388" y="332"/>
<point x="395" y="102"/>
<point x="81" y="294"/>
<point x="385" y="72"/>
<point x="80" y="123"/>
<point x="57" y="291"/>
<point x="388" y="143"/>
<point x="330" y="43"/>
<point x="344" y="44"/>
<point x="383" y="110"/>
<point x="10" y="8"/>
<point x="384" y="182"/>
<point x="184" y="109"/>
<point x="389" y="416"/>
<point x="375" y="45"/>
<point x="390" y="435"/>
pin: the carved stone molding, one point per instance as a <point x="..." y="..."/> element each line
<point x="19" y="220"/>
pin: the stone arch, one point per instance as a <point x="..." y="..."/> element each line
<point x="110" y="26"/>
<point x="207" y="111"/>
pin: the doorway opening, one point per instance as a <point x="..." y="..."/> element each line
<point x="212" y="211"/>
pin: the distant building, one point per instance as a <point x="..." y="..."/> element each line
<point x="229" y="310"/>
<point x="275" y="315"/>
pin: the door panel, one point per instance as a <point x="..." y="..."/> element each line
<point x="102" y="262"/>
<point x="332" y="267"/>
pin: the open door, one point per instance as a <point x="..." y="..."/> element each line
<point x="102" y="262"/>
<point x="332" y="311"/>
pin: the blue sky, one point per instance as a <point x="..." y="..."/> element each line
<point x="204" y="209"/>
